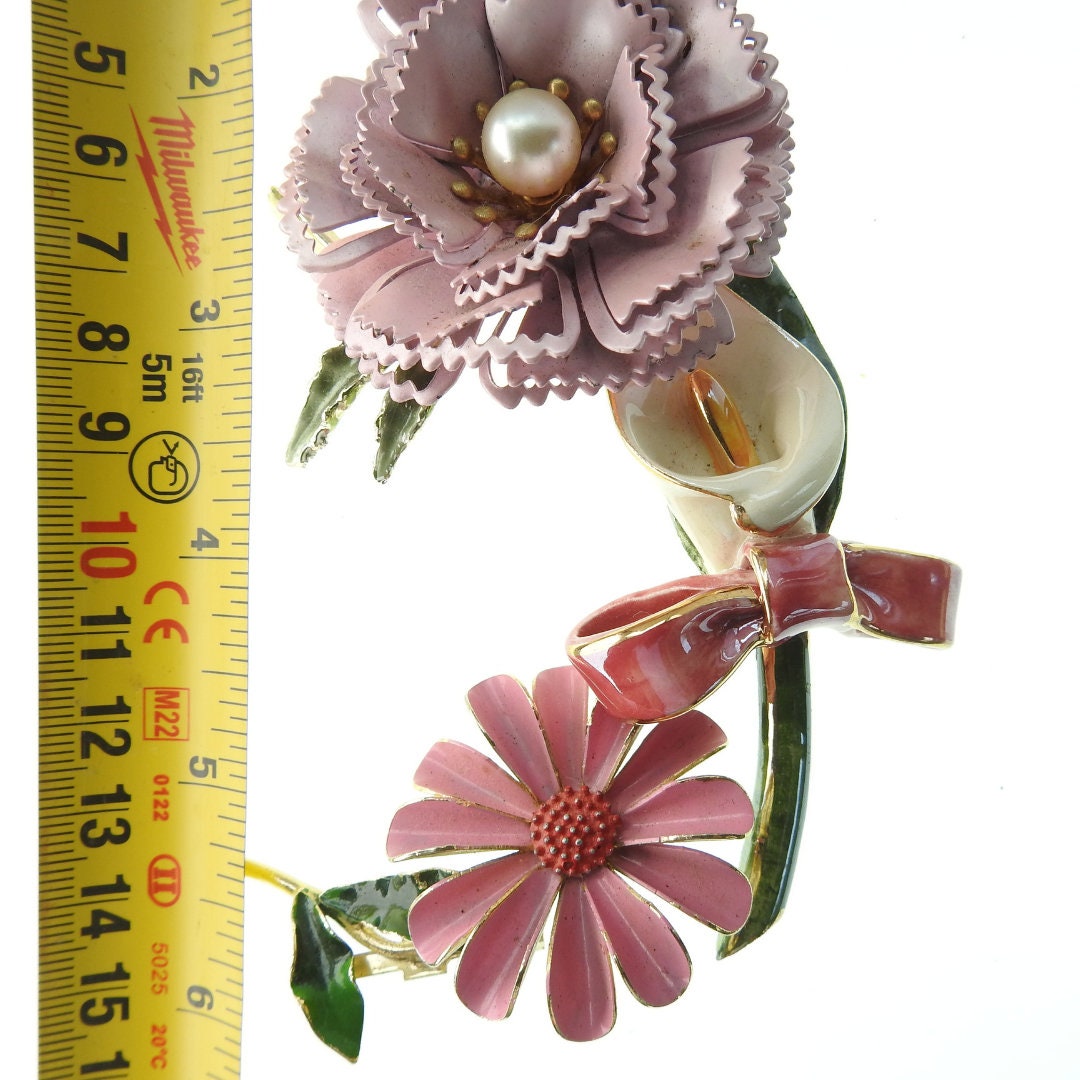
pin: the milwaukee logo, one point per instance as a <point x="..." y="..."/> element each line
<point x="167" y="170"/>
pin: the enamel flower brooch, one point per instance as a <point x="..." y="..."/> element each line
<point x="573" y="196"/>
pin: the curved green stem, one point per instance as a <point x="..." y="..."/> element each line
<point x="784" y="757"/>
<point x="783" y="766"/>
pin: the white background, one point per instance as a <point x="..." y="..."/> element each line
<point x="931" y="930"/>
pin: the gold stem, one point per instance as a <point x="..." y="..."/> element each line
<point x="258" y="872"/>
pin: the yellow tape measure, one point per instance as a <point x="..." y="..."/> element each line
<point x="142" y="151"/>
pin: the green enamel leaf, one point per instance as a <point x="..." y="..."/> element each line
<point x="322" y="979"/>
<point x="382" y="904"/>
<point x="776" y="300"/>
<point x="395" y="427"/>
<point x="331" y="392"/>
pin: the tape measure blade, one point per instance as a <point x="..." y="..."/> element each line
<point x="143" y="297"/>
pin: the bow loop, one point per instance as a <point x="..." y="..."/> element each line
<point x="660" y="652"/>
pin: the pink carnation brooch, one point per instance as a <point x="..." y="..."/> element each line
<point x="547" y="192"/>
<point x="587" y="195"/>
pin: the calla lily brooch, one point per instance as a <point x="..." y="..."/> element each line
<point x="582" y="196"/>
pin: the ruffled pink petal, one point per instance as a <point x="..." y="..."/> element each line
<point x="580" y="42"/>
<point x="646" y="212"/>
<point x="436" y="103"/>
<point x="702" y="808"/>
<point x="607" y="742"/>
<point x="376" y="196"/>
<point x="509" y="263"/>
<point x="385" y="20"/>
<point x="439" y="825"/>
<point x="505" y="714"/>
<point x="715" y="78"/>
<point x="460" y="772"/>
<point x="538" y="319"/>
<point x="412" y="299"/>
<point x="495" y="957"/>
<point x="581" y="990"/>
<point x="443" y="916"/>
<point x="326" y="201"/>
<point x="768" y="185"/>
<point x="561" y="697"/>
<point x="314" y="253"/>
<point x="591" y="366"/>
<point x="705" y="887"/>
<point x="436" y="217"/>
<point x="669" y="750"/>
<point x="341" y="287"/>
<point x="627" y="112"/>
<point x="652" y="959"/>
<point x="400" y="388"/>
<point x="631" y="290"/>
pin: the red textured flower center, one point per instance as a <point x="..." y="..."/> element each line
<point x="574" y="832"/>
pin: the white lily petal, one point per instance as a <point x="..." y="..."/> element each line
<point x="792" y="411"/>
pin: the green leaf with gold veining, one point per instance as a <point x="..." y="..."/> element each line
<point x="331" y="392"/>
<point x="322" y="979"/>
<point x="382" y="904"/>
<point x="395" y="427"/>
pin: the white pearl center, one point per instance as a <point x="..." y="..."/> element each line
<point x="531" y="143"/>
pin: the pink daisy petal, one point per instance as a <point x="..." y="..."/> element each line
<point x="505" y="715"/>
<point x="497" y="954"/>
<point x="705" y="887"/>
<point x="561" y="697"/>
<point x="443" y="916"/>
<point x="652" y="959"/>
<point x="668" y="751"/>
<point x="462" y="773"/>
<point x="581" y="990"/>
<point x="606" y="744"/>
<point x="437" y="825"/>
<point x="702" y="808"/>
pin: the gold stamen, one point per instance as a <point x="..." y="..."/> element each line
<point x="464" y="190"/>
<point x="461" y="148"/>
<point x="608" y="144"/>
<point x="591" y="109"/>
<point x="486" y="213"/>
<point x="720" y="425"/>
<point x="517" y="84"/>
<point x="527" y="231"/>
<point x="560" y="88"/>
<point x="482" y="109"/>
